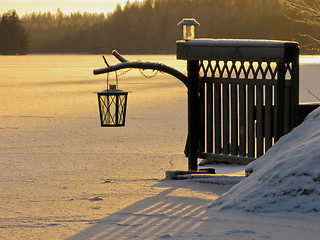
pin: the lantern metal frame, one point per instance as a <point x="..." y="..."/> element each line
<point x="112" y="107"/>
<point x="112" y="104"/>
<point x="188" y="28"/>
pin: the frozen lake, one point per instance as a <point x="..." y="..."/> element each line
<point x="54" y="155"/>
<point x="60" y="171"/>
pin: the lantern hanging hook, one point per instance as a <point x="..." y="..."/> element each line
<point x="117" y="82"/>
<point x="105" y="61"/>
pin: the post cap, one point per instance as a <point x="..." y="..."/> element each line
<point x="188" y="22"/>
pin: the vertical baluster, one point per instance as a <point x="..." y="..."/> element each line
<point x="234" y="120"/>
<point x="268" y="118"/>
<point x="209" y="117"/>
<point x="251" y="121"/>
<point x="279" y="109"/>
<point x="217" y="117"/>
<point x="242" y="120"/>
<point x="259" y="125"/>
<point x="226" y="121"/>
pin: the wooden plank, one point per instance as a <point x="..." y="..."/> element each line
<point x="280" y="103"/>
<point x="275" y="89"/>
<point x="226" y="121"/>
<point x="294" y="88"/>
<point x="259" y="125"/>
<point x="209" y="89"/>
<point x="251" y="122"/>
<point x="222" y="158"/>
<point x="202" y="117"/>
<point x="232" y="50"/>
<point x="217" y="118"/>
<point x="286" y="126"/>
<point x="268" y="118"/>
<point x="193" y="115"/>
<point x="242" y="121"/>
<point x="234" y="120"/>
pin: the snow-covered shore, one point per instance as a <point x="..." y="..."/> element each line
<point x="284" y="180"/>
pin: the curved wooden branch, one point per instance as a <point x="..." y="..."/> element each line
<point x="142" y="65"/>
<point x="118" y="56"/>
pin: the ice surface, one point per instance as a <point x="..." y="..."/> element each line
<point x="63" y="176"/>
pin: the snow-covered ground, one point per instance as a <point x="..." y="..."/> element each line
<point x="286" y="180"/>
<point x="62" y="176"/>
<point x="181" y="211"/>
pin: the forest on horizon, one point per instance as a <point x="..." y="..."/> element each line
<point x="150" y="27"/>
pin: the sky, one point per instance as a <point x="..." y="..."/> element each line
<point x="28" y="6"/>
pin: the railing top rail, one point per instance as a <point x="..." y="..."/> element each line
<point x="236" y="50"/>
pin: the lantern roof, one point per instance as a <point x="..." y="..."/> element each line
<point x="188" y="22"/>
<point x="111" y="91"/>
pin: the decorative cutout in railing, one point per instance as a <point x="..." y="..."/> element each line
<point x="242" y="69"/>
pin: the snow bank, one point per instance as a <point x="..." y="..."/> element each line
<point x="285" y="179"/>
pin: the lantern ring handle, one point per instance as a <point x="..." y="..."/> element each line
<point x="146" y="66"/>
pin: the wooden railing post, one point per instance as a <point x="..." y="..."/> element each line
<point x="294" y="107"/>
<point x="193" y="114"/>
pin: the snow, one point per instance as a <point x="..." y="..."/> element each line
<point x="180" y="211"/>
<point x="284" y="180"/>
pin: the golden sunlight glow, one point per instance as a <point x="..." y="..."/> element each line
<point x="67" y="6"/>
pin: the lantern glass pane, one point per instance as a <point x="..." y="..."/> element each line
<point x="188" y="32"/>
<point x="122" y="108"/>
<point x="107" y="109"/>
<point x="184" y="30"/>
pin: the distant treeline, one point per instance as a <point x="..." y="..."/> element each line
<point x="13" y="37"/>
<point x="150" y="27"/>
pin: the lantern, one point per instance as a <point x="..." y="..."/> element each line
<point x="112" y="106"/>
<point x="188" y="28"/>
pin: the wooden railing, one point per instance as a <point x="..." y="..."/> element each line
<point x="248" y="95"/>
